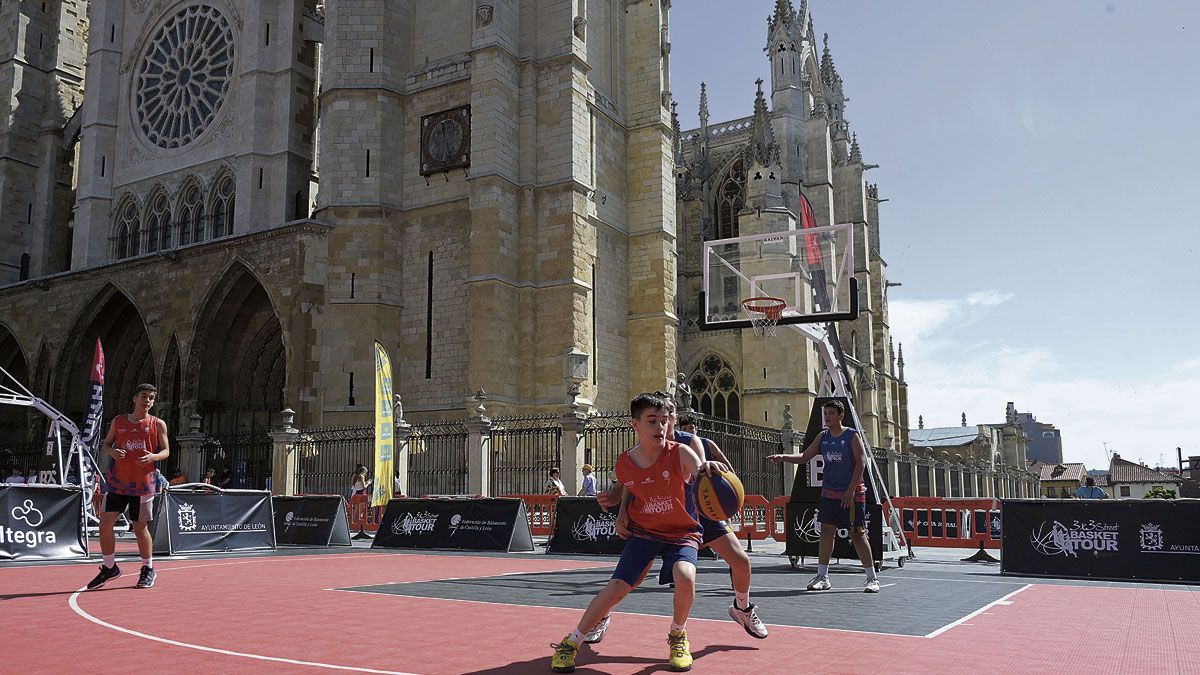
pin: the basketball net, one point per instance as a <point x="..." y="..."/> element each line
<point x="764" y="313"/>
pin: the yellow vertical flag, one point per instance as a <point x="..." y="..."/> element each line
<point x="381" y="493"/>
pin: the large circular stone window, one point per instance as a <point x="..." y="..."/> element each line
<point x="184" y="76"/>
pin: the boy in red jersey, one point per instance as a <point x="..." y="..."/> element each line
<point x="134" y="442"/>
<point x="663" y="521"/>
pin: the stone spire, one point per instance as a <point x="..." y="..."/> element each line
<point x="900" y="361"/>
<point x="678" y="132"/>
<point x="703" y="105"/>
<point x="829" y="73"/>
<point x="784" y="15"/>
<point x="964" y="419"/>
<point x="920" y="421"/>
<point x="763" y="149"/>
<point x="855" y="151"/>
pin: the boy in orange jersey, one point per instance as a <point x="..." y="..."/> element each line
<point x="663" y="522"/>
<point x="134" y="442"/>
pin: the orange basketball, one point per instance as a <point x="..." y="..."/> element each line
<point x="720" y="496"/>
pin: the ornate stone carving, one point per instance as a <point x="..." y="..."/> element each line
<point x="579" y="25"/>
<point x="483" y="15"/>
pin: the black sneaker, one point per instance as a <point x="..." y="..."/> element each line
<point x="146" y="580"/>
<point x="106" y="575"/>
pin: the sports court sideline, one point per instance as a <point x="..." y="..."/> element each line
<point x="360" y="610"/>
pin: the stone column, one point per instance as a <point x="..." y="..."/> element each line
<point x="283" y="454"/>
<point x="573" y="424"/>
<point x="479" y="449"/>
<point x="191" y="454"/>
<point x="401" y="448"/>
<point x="792" y="444"/>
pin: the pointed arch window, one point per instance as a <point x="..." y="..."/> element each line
<point x="715" y="389"/>
<point x="222" y="209"/>
<point x="191" y="216"/>
<point x="158" y="224"/>
<point x="730" y="199"/>
<point x="128" y="231"/>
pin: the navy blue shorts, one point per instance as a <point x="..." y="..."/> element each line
<point x="831" y="512"/>
<point x="639" y="553"/>
<point x="713" y="530"/>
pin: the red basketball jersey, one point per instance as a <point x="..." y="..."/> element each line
<point x="662" y="508"/>
<point x="125" y="476"/>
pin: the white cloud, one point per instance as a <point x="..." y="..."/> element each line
<point x="951" y="370"/>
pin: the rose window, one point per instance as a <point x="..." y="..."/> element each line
<point x="183" y="76"/>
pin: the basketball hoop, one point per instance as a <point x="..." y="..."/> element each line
<point x="764" y="313"/>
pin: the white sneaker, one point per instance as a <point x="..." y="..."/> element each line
<point x="819" y="583"/>
<point x="872" y="586"/>
<point x="749" y="619"/>
<point x="597" y="633"/>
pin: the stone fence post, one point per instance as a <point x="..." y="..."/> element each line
<point x="479" y="443"/>
<point x="191" y="451"/>
<point x="792" y="444"/>
<point x="573" y="425"/>
<point x="283" y="454"/>
<point x="401" y="448"/>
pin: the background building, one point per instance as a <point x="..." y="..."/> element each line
<point x="1059" y="481"/>
<point x="1045" y="440"/>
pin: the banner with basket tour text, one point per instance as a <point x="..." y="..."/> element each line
<point x="381" y="489"/>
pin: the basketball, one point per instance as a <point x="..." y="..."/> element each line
<point x="720" y="495"/>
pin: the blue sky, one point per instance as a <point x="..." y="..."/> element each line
<point x="1040" y="162"/>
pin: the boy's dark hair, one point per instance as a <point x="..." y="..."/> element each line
<point x="554" y="470"/>
<point x="644" y="401"/>
<point x="687" y="420"/>
<point x="1090" y="481"/>
<point x="836" y="405"/>
<point x="145" y="386"/>
<point x="668" y="400"/>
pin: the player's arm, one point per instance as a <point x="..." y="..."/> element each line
<point x="622" y="523"/>
<point x="106" y="446"/>
<point x="856" y="449"/>
<point x="611" y="497"/>
<point x="802" y="458"/>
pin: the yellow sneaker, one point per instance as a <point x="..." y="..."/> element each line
<point x="564" y="656"/>
<point x="681" y="651"/>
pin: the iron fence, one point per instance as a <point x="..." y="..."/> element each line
<point x="523" y="450"/>
<point x="747" y="447"/>
<point x="437" y="460"/>
<point x="326" y="458"/>
<point x="606" y="436"/>
<point x="247" y="456"/>
<point x="24" y="456"/>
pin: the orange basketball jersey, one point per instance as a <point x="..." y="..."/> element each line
<point x="662" y="509"/>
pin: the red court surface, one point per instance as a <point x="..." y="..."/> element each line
<point x="277" y="613"/>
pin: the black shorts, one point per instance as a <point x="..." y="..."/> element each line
<point x="139" y="507"/>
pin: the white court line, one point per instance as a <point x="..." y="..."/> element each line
<point x="121" y="629"/>
<point x="977" y="612"/>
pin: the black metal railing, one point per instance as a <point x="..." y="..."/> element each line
<point x="523" y="450"/>
<point x="606" y="436"/>
<point x="247" y="455"/>
<point x="747" y="447"/>
<point x="326" y="458"/>
<point x="437" y="460"/>
<point x="25" y="456"/>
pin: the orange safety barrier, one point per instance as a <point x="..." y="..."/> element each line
<point x="779" y="518"/>
<point x="540" y="509"/>
<point x="363" y="517"/>
<point x="949" y="522"/>
<point x="756" y="520"/>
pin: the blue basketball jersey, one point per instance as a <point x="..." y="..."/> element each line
<point x="838" y="453"/>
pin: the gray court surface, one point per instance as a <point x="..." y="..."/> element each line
<point x="917" y="600"/>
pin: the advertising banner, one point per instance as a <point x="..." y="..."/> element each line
<point x="804" y="533"/>
<point x="581" y="526"/>
<point x="468" y="524"/>
<point x="189" y="521"/>
<point x="41" y="523"/>
<point x="311" y="520"/>
<point x="1127" y="539"/>
<point x="381" y="489"/>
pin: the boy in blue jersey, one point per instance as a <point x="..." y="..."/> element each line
<point x="843" y="494"/>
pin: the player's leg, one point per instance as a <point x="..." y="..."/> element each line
<point x="741" y="611"/>
<point x="108" y="541"/>
<point x="596" y="634"/>
<point x="682" y="560"/>
<point x="862" y="546"/>
<point x="829" y="513"/>
<point x="631" y="569"/>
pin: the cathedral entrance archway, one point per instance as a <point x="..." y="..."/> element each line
<point x="236" y="373"/>
<point x="113" y="318"/>
<point x="14" y="420"/>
